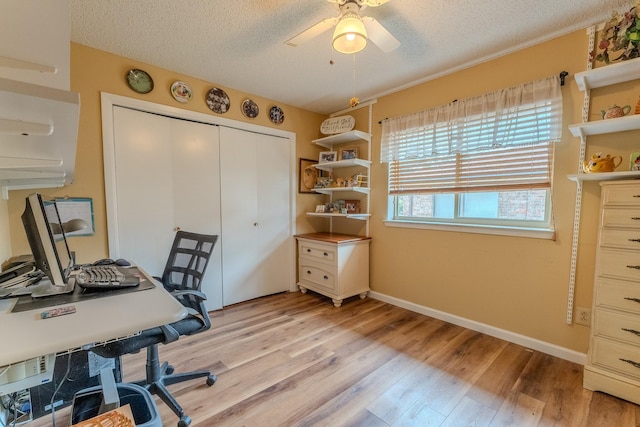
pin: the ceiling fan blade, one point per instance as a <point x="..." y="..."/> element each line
<point x="375" y="3"/>
<point x="312" y="32"/>
<point x="379" y="35"/>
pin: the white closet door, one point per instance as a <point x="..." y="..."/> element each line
<point x="255" y="200"/>
<point x="167" y="177"/>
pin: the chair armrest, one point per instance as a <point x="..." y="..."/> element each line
<point x="170" y="334"/>
<point x="199" y="295"/>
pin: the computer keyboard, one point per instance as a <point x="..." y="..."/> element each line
<point x="105" y="277"/>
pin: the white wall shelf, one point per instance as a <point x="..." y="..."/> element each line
<point x="608" y="75"/>
<point x="341" y="138"/>
<point x="600" y="127"/>
<point x="605" y="176"/>
<point x="332" y="190"/>
<point x="330" y="166"/>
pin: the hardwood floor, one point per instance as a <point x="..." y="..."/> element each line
<point x="295" y="360"/>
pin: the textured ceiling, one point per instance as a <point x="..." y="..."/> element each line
<point x="240" y="43"/>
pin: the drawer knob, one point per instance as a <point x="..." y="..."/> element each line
<point x="634" y="240"/>
<point x="325" y="277"/>
<point x="635" y="218"/>
<point x="308" y="250"/>
<point x="637" y="267"/>
<point x="308" y="272"/>
<point x="632" y="299"/>
<point x="631" y="362"/>
<point x="633" y="331"/>
<point x="325" y="254"/>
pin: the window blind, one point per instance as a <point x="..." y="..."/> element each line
<point x="499" y="141"/>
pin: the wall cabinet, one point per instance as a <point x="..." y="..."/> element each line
<point x="333" y="265"/>
<point x="613" y="364"/>
<point x="39" y="116"/>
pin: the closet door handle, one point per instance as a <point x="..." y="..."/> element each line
<point x="633" y="299"/>
<point x="631" y="362"/>
<point x="634" y="240"/>
<point x="255" y="224"/>
<point x="637" y="267"/>
<point x="635" y="218"/>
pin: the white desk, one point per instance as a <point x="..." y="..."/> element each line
<point x="25" y="335"/>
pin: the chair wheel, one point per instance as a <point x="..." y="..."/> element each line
<point x="169" y="369"/>
<point x="184" y="421"/>
<point x="211" y="380"/>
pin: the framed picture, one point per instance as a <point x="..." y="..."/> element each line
<point x="352" y="206"/>
<point x="307" y="176"/>
<point x="634" y="161"/>
<point x="349" y="153"/>
<point x="328" y="156"/>
<point x="320" y="209"/>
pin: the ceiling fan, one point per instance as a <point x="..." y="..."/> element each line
<point x="352" y="30"/>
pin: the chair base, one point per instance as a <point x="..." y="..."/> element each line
<point x="161" y="376"/>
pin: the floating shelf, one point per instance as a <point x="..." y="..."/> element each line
<point x="605" y="176"/>
<point x="341" y="138"/>
<point x="608" y="75"/>
<point x="620" y="124"/>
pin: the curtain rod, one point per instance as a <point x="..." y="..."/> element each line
<point x="562" y="76"/>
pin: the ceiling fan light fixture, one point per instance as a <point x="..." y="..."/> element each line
<point x="350" y="36"/>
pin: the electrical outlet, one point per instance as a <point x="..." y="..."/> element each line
<point x="583" y="316"/>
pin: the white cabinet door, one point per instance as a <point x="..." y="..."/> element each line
<point x="166" y="178"/>
<point x="255" y="200"/>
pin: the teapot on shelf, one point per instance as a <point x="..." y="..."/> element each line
<point x="599" y="163"/>
<point x="615" y="111"/>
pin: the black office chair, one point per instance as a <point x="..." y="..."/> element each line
<point x="182" y="277"/>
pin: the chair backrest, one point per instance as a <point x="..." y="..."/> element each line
<point x="187" y="262"/>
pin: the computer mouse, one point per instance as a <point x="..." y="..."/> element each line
<point x="104" y="261"/>
<point x="122" y="262"/>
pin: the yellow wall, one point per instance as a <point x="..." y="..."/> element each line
<point x="94" y="71"/>
<point x="517" y="284"/>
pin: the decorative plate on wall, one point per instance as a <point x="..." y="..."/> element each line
<point x="181" y="92"/>
<point x="250" y="108"/>
<point x="276" y="115"/>
<point x="139" y="80"/>
<point x="218" y="101"/>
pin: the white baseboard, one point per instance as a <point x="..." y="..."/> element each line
<point x="532" y="343"/>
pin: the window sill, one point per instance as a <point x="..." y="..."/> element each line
<point x="476" y="229"/>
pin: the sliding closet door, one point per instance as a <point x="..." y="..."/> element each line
<point x="255" y="200"/>
<point x="167" y="178"/>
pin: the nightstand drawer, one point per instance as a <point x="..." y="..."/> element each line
<point x="621" y="264"/>
<point x="624" y="327"/>
<point x="317" y="274"/>
<point x="618" y="295"/>
<point x="625" y="239"/>
<point x="628" y="195"/>
<point x="628" y="218"/>
<point x="317" y="252"/>
<point x="622" y="358"/>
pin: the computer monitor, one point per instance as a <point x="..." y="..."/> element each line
<point x="48" y="244"/>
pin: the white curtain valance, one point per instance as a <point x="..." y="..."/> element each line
<point x="530" y="113"/>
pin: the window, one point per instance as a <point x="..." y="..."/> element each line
<point x="479" y="161"/>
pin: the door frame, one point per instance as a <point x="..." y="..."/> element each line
<point x="109" y="100"/>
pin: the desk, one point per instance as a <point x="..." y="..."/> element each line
<point x="25" y="335"/>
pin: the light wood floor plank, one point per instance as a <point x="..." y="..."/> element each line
<point x="294" y="360"/>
